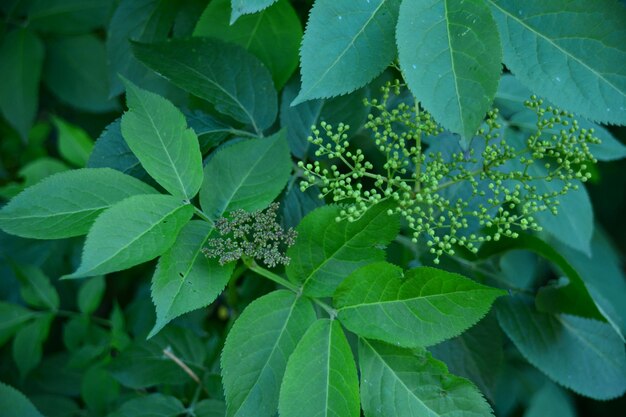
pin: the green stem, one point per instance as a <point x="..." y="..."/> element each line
<point x="203" y="216"/>
<point x="253" y="266"/>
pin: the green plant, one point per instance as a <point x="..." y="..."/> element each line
<point x="401" y="231"/>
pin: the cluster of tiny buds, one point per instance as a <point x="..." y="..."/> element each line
<point x="500" y="179"/>
<point x="255" y="235"/>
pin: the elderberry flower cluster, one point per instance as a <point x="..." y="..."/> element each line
<point x="459" y="197"/>
<point x="252" y="234"/>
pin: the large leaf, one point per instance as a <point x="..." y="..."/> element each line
<point x="551" y="400"/>
<point x="75" y="70"/>
<point x="157" y="133"/>
<point x="131" y="232"/>
<point x="66" y="204"/>
<point x="450" y="56"/>
<point x="185" y="279"/>
<point x="346" y="45"/>
<point x="327" y="251"/>
<point x="247" y="175"/>
<point x="241" y="7"/>
<point x="276" y="25"/>
<point x="568" y="51"/>
<point x="405" y="383"/>
<point x="424" y="307"/>
<point x="150" y="406"/>
<point x="14" y="404"/>
<point x="269" y="328"/>
<point x="204" y="67"/>
<point x="21" y="59"/>
<point x="584" y="355"/>
<point x="137" y="20"/>
<point x="322" y="366"/>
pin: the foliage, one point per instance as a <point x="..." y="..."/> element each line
<point x="405" y="228"/>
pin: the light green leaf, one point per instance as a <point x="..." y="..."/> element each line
<point x="14" y="404"/>
<point x="346" y="45"/>
<point x="450" y="57"/>
<point x="67" y="17"/>
<point x="41" y="168"/>
<point x="406" y="383"/>
<point x="157" y="133"/>
<point x="210" y="408"/>
<point x="75" y="145"/>
<point x="327" y="251"/>
<point x="90" y="294"/>
<point x="152" y="405"/>
<point x="551" y="401"/>
<point x="575" y="63"/>
<point x="185" y="279"/>
<point x="247" y="175"/>
<point x="268" y="331"/>
<point x="66" y="204"/>
<point x="133" y="231"/>
<point x="137" y="20"/>
<point x="322" y="366"/>
<point x="276" y="25"/>
<point x="27" y="345"/>
<point x="241" y="7"/>
<point x="476" y="354"/>
<point x="423" y="308"/>
<point x="12" y="318"/>
<point x="36" y="287"/>
<point x="75" y="70"/>
<point x="204" y="67"/>
<point x="584" y="355"/>
<point x="21" y="59"/>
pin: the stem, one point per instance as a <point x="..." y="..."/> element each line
<point x="168" y="352"/>
<point x="418" y="143"/>
<point x="253" y="266"/>
<point x="72" y="314"/>
<point x="203" y="216"/>
<point x="331" y="311"/>
<point x="472" y="266"/>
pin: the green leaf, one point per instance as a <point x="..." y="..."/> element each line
<point x="37" y="290"/>
<point x="185" y="279"/>
<point x="210" y="408"/>
<point x="327" y="251"/>
<point x="475" y="354"/>
<point x="12" y="318"/>
<point x="276" y="25"/>
<point x="66" y="204"/>
<point x="247" y="175"/>
<point x="75" y="145"/>
<point x="584" y="355"/>
<point x="583" y="73"/>
<point x="450" y="56"/>
<point x="67" y="17"/>
<point x="137" y="20"/>
<point x="144" y="364"/>
<point x="204" y="67"/>
<point x="346" y="45"/>
<point x="133" y="231"/>
<point x="268" y="330"/>
<point x="112" y="151"/>
<point x="406" y="383"/>
<point x="75" y="70"/>
<point x="90" y="294"/>
<point x="423" y="308"/>
<point x="157" y="133"/>
<point x="98" y="389"/>
<point x="322" y="366"/>
<point x="551" y="401"/>
<point x="14" y="404"/>
<point x="241" y="7"/>
<point x="151" y="405"/>
<point x="27" y="345"/>
<point x="21" y="59"/>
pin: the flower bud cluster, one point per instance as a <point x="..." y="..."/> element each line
<point x="253" y="234"/>
<point x="466" y="198"/>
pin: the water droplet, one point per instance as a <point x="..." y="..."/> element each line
<point x="608" y="109"/>
<point x="414" y="66"/>
<point x="339" y="17"/>
<point x="558" y="79"/>
<point x="519" y="12"/>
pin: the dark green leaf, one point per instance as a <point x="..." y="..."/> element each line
<point x="66" y="204"/>
<point x="322" y="366"/>
<point x="268" y="331"/>
<point x="210" y="408"/>
<point x="241" y="7"/>
<point x="204" y="67"/>
<point x="133" y="231"/>
<point x="152" y="405"/>
<point x="327" y="251"/>
<point x="12" y="318"/>
<point x="36" y="287"/>
<point x="27" y="345"/>
<point x="14" y="404"/>
<point x="584" y="355"/>
<point x="67" y="17"/>
<point x="90" y="294"/>
<point x="551" y="401"/>
<point x="74" y="143"/>
<point x="99" y="389"/>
